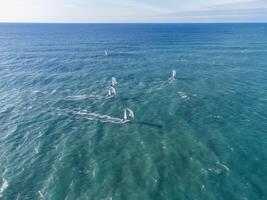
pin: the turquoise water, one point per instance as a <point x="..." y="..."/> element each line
<point x="201" y="137"/>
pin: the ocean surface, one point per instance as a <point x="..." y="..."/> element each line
<point x="200" y="137"/>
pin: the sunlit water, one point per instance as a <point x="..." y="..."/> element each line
<point x="202" y="136"/>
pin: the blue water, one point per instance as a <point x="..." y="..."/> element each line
<point x="203" y="136"/>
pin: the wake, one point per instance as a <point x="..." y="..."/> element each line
<point x="95" y="116"/>
<point x="111" y="94"/>
<point x="84" y="97"/>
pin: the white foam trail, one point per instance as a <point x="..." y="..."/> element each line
<point x="76" y="98"/>
<point x="223" y="166"/>
<point x="220" y="168"/>
<point x="214" y="170"/>
<point x="83" y="97"/>
<point x="183" y="95"/>
<point x="98" y="117"/>
<point x="3" y="187"/>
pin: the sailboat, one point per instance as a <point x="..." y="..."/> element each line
<point x="128" y="113"/>
<point x="113" y="81"/>
<point x="172" y="78"/>
<point x="106" y="53"/>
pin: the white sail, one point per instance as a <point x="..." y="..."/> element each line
<point x="172" y="78"/>
<point x="131" y="113"/>
<point x="173" y="74"/>
<point x="125" y="115"/>
<point x="106" y="52"/>
<point x="114" y="81"/>
<point x="113" y="90"/>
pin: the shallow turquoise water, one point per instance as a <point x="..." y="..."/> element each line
<point x="201" y="137"/>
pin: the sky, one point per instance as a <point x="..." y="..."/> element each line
<point x="120" y="11"/>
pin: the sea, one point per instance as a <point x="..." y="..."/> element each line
<point x="199" y="136"/>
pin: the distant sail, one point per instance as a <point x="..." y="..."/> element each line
<point x="172" y="78"/>
<point x="114" y="81"/>
<point x="106" y="53"/>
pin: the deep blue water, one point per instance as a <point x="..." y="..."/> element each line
<point x="203" y="136"/>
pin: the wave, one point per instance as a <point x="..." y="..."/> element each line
<point x="3" y="187"/>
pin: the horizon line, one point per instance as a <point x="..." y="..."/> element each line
<point x="245" y="22"/>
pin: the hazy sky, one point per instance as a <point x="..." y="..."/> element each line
<point x="133" y="10"/>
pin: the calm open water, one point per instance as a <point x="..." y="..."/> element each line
<point x="202" y="137"/>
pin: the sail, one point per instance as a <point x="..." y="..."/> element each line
<point x="125" y="115"/>
<point x="109" y="92"/>
<point x="113" y="90"/>
<point x="113" y="81"/>
<point x="173" y="74"/>
<point x="131" y="114"/>
<point x="106" y="52"/>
